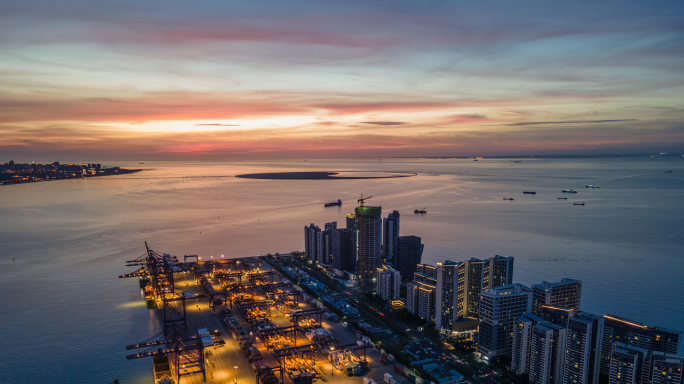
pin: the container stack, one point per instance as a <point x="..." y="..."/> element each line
<point x="307" y="323"/>
<point x="253" y="354"/>
<point x="299" y="368"/>
<point x="279" y="342"/>
<point x="318" y="334"/>
<point x="399" y="369"/>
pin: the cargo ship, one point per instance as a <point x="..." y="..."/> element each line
<point x="562" y="198"/>
<point x="337" y="203"/>
<point x="577" y="203"/>
<point x="530" y="192"/>
<point x="568" y="191"/>
<point x="162" y="370"/>
<point x="592" y="186"/>
<point x="508" y="198"/>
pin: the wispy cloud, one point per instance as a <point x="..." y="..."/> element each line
<point x="350" y="78"/>
<point x="217" y="125"/>
<point x="567" y="122"/>
<point x="384" y="122"/>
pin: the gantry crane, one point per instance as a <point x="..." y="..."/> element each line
<point x="185" y="349"/>
<point x="159" y="268"/>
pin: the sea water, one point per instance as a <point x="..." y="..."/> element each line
<point x="65" y="314"/>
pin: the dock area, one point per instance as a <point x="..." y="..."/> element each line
<point x="260" y="322"/>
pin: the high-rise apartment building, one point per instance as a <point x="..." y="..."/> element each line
<point x="324" y="253"/>
<point x="351" y="222"/>
<point x="343" y="250"/>
<point x="666" y="368"/>
<point x="408" y="252"/>
<point x="499" y="306"/>
<point x="457" y="285"/>
<point x="421" y="292"/>
<point x="547" y="357"/>
<point x="500" y="271"/>
<point x="522" y="337"/>
<point x="390" y="232"/>
<point x="446" y="299"/>
<point x="583" y="349"/>
<point x="478" y="276"/>
<point x="318" y="244"/>
<point x="566" y="294"/>
<point x="633" y="333"/>
<point x="311" y="239"/>
<point x="629" y="364"/>
<point x="556" y="315"/>
<point x="387" y="283"/>
<point x="368" y="243"/>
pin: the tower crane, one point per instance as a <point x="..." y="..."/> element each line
<point x="362" y="200"/>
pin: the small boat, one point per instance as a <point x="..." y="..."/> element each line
<point x="568" y="191"/>
<point x="530" y="192"/>
<point x="562" y="198"/>
<point x="337" y="203"/>
<point x="420" y="211"/>
<point x="505" y="198"/>
<point x="141" y="163"/>
<point x="517" y="161"/>
<point x="577" y="203"/>
<point x="669" y="171"/>
<point x="475" y="160"/>
<point x="592" y="186"/>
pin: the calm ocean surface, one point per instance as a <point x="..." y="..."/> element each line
<point x="65" y="314"/>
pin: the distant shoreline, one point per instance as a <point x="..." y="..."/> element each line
<point x="315" y="176"/>
<point x="31" y="178"/>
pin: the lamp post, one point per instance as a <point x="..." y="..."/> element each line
<point x="235" y="379"/>
<point x="332" y="367"/>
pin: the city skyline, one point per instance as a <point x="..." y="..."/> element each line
<point x="237" y="80"/>
<point x="159" y="160"/>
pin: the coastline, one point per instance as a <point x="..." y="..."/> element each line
<point x="33" y="179"/>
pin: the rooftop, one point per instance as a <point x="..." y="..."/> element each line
<point x="546" y="285"/>
<point x="510" y="289"/>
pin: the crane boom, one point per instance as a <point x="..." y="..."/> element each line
<point x="363" y="199"/>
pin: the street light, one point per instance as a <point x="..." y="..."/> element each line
<point x="332" y="367"/>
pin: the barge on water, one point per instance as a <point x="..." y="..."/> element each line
<point x="162" y="370"/>
<point x="529" y="192"/>
<point x="337" y="203"/>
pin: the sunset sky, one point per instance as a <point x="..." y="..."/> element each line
<point x="294" y="79"/>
